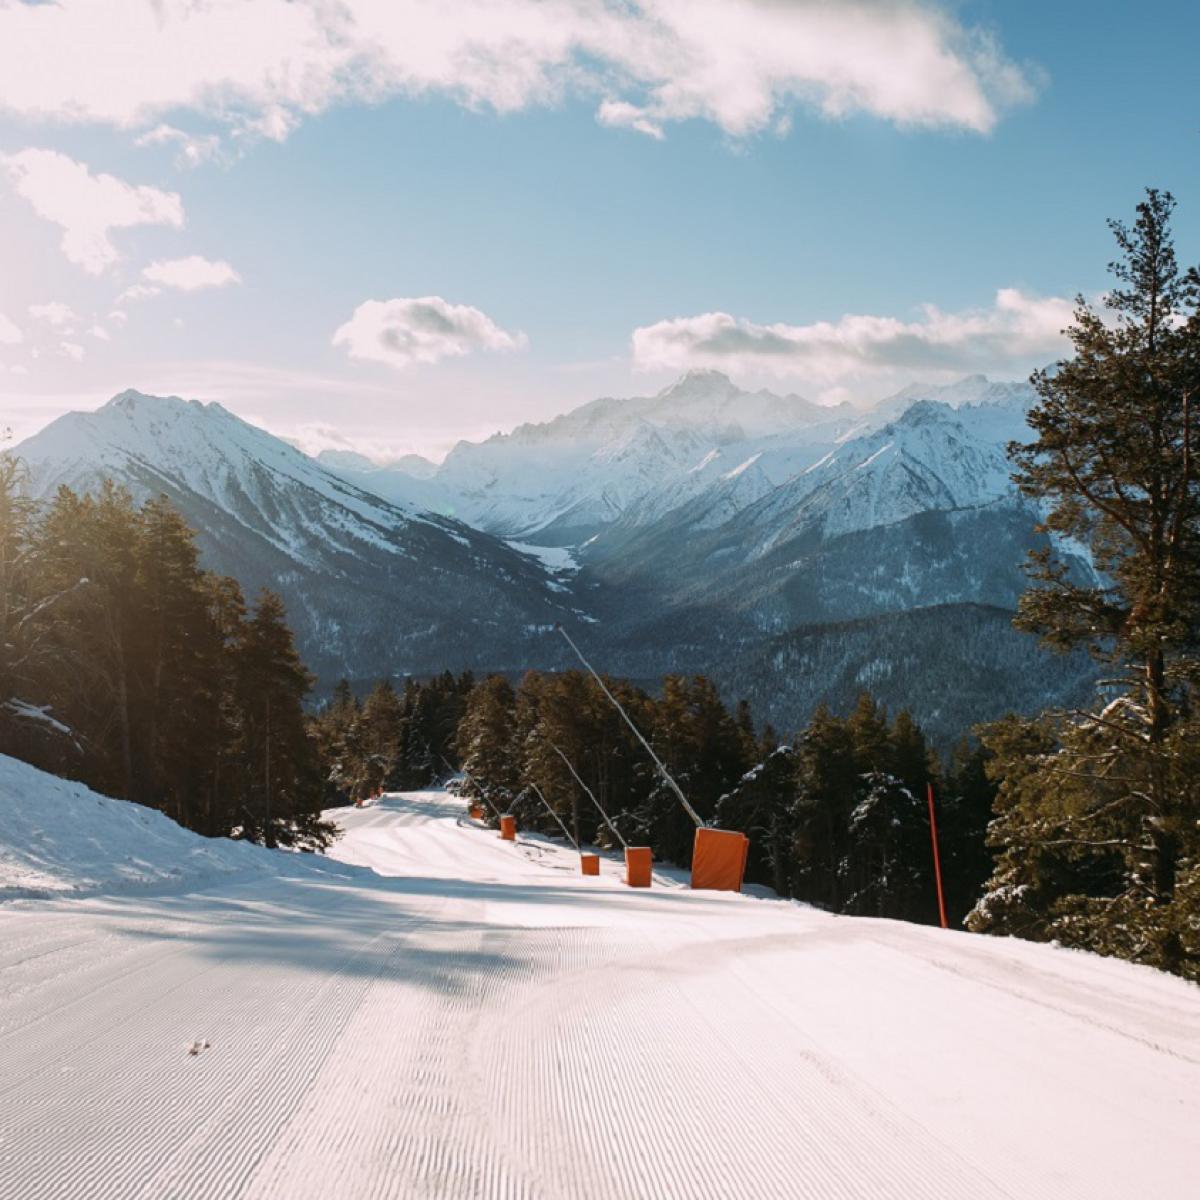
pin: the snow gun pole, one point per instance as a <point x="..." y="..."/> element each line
<point x="483" y="794"/>
<point x="538" y="792"/>
<point x="591" y="796"/>
<point x="937" y="858"/>
<point x="691" y="812"/>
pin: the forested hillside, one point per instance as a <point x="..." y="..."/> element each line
<point x="124" y="665"/>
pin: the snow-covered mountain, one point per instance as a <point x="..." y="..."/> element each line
<point x="910" y="507"/>
<point x="708" y="446"/>
<point x="367" y="581"/>
<point x="562" y="481"/>
<point x="688" y="531"/>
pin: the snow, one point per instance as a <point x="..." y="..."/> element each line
<point x="742" y="466"/>
<point x="866" y="462"/>
<point x="37" y="713"/>
<point x="553" y="558"/>
<point x="433" y="1012"/>
<point x="60" y="838"/>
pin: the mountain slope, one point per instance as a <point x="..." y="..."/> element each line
<point x="443" y="1014"/>
<point x="368" y="583"/>
<point x="560" y="482"/>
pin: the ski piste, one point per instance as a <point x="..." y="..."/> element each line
<point x="428" y="1011"/>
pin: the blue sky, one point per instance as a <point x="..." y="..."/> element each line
<point x="546" y="214"/>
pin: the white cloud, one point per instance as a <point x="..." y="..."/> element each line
<point x="620" y="113"/>
<point x="138" y="291"/>
<point x="422" y="329"/>
<point x="100" y="333"/>
<point x="191" y="273"/>
<point x="72" y="350"/>
<point x="87" y="207"/>
<point x="192" y="149"/>
<point x="55" y="313"/>
<point x="1016" y="330"/>
<point x="262" y="67"/>
<point x="10" y="334"/>
<point x="117" y="317"/>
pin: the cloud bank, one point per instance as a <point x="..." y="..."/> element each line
<point x="259" y="68"/>
<point x="426" y="329"/>
<point x="86" y="207"/>
<point x="1016" y="330"/>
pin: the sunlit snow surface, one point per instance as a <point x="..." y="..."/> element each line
<point x="434" y="1012"/>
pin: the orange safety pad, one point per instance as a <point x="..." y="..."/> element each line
<point x="476" y="812"/>
<point x="589" y="864"/>
<point x="719" y="859"/>
<point x="638" y="860"/>
<point x="508" y="827"/>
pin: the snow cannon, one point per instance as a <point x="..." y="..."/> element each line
<point x="719" y="859"/>
<point x="508" y="827"/>
<point x="589" y="864"/>
<point x="638" y="861"/>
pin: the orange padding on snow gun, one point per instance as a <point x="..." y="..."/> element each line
<point x="638" y="860"/>
<point x="476" y="812"/>
<point x="589" y="864"/>
<point x="719" y="859"/>
<point x="508" y="827"/>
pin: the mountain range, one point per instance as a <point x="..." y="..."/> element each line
<point x="750" y="536"/>
<point x="367" y="581"/>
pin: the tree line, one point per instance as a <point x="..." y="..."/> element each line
<point x="838" y="817"/>
<point x="126" y="666"/>
<point x="390" y="740"/>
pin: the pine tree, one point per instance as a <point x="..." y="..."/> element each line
<point x="487" y="745"/>
<point x="887" y="831"/>
<point x="378" y="732"/>
<point x="761" y="806"/>
<point x="333" y="728"/>
<point x="28" y="728"/>
<point x="826" y="780"/>
<point x="280" y="773"/>
<point x="1097" y="830"/>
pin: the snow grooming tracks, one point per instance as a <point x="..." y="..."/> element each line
<point x="470" y="1022"/>
<point x="272" y="1023"/>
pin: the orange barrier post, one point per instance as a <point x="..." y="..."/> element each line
<point x="508" y="827"/>
<point x="476" y="812"/>
<point x="589" y="864"/>
<point x="719" y="859"/>
<point x="638" y="860"/>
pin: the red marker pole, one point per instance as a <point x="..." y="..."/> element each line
<point x="937" y="860"/>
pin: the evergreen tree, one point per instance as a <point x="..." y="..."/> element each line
<point x="1097" y="826"/>
<point x="826" y="781"/>
<point x="379" y="732"/>
<point x="761" y="805"/>
<point x="487" y="744"/>
<point x="887" y="839"/>
<point x="280" y="778"/>
<point x="28" y="661"/>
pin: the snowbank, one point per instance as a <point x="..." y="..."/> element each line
<point x="59" y="838"/>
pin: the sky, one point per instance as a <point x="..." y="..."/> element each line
<point x="395" y="223"/>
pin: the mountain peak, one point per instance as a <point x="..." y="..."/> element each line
<point x="700" y="381"/>
<point x="131" y="398"/>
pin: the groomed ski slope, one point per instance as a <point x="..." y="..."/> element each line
<point x="439" y="1013"/>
